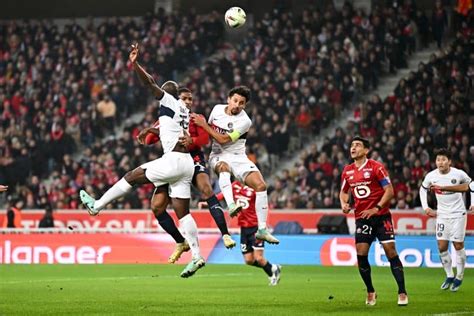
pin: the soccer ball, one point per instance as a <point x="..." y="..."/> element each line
<point x="235" y="17"/>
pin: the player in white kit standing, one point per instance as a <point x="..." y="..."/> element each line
<point x="175" y="167"/>
<point x="451" y="215"/>
<point x="228" y="126"/>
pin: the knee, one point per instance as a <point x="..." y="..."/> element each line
<point x="458" y="246"/>
<point x="129" y="177"/>
<point x="249" y="261"/>
<point x="222" y="167"/>
<point x="260" y="186"/>
<point x="206" y="192"/>
<point x="261" y="261"/>
<point x="392" y="253"/>
<point x="158" y="210"/>
<point x="159" y="207"/>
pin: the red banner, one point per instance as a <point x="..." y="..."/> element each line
<point x="94" y="248"/>
<point x="406" y="222"/>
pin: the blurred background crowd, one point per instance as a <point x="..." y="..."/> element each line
<point x="71" y="107"/>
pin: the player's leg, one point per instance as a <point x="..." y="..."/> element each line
<point x="159" y="202"/>
<point x="189" y="228"/>
<point x="442" y="232"/>
<point x="223" y="170"/>
<point x="255" y="180"/>
<point x="202" y="182"/>
<point x="365" y="271"/>
<point x="386" y="235"/>
<point x="119" y="189"/>
<point x="459" y="230"/>
<point x="272" y="270"/>
<point x="180" y="194"/>
<point x="252" y="250"/>
<point x="460" y="265"/>
<point x="397" y="270"/>
<point x="363" y="239"/>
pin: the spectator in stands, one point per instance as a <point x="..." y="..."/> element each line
<point x="439" y="22"/>
<point x="47" y="221"/>
<point x="13" y="216"/>
<point x="107" y="110"/>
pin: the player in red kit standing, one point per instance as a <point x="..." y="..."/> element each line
<point x="252" y="248"/>
<point x="369" y="183"/>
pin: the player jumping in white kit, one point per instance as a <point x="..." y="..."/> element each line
<point x="175" y="167"/>
<point x="228" y="126"/>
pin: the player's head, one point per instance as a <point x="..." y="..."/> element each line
<point x="171" y="87"/>
<point x="359" y="147"/>
<point x="443" y="160"/>
<point x="237" y="99"/>
<point x="186" y="95"/>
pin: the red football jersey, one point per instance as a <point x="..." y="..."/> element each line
<point x="199" y="135"/>
<point x="245" y="196"/>
<point x="366" y="184"/>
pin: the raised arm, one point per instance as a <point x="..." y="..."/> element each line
<point x="145" y="77"/>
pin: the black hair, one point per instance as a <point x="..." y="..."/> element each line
<point x="183" y="90"/>
<point x="171" y="87"/>
<point x="444" y="152"/>
<point x="240" y="90"/>
<point x="364" y="141"/>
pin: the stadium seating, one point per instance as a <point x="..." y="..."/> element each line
<point x="63" y="88"/>
<point x="302" y="69"/>
<point x="433" y="108"/>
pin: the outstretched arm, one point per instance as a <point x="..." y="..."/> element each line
<point x="145" y="77"/>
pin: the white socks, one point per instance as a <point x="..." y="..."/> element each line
<point x="189" y="230"/>
<point x="261" y="208"/>
<point x="447" y="264"/>
<point x="460" y="263"/>
<point x="226" y="187"/>
<point x="119" y="189"/>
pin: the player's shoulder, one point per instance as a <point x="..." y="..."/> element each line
<point x="245" y="116"/>
<point x="375" y="164"/>
<point x="349" y="168"/>
<point x="219" y="108"/>
<point x="433" y="173"/>
<point x="457" y="171"/>
<point x="169" y="100"/>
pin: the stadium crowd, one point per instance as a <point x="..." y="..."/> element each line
<point x="64" y="91"/>
<point x="432" y="108"/>
<point x="62" y="88"/>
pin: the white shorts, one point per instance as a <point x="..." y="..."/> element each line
<point x="173" y="168"/>
<point x="240" y="165"/>
<point x="452" y="229"/>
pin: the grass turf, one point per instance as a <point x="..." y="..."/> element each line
<point x="220" y="290"/>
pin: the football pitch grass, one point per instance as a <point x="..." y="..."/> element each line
<point x="221" y="290"/>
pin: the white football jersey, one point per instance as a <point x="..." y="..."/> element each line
<point x="174" y="118"/>
<point x="225" y="124"/>
<point x="450" y="204"/>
